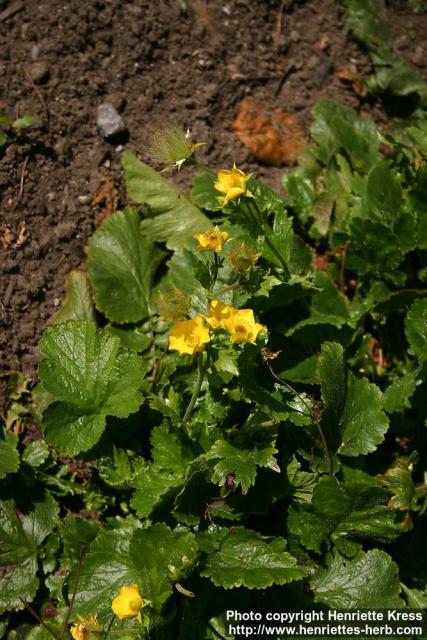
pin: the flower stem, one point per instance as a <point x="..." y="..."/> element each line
<point x="108" y="629"/>
<point x="199" y="165"/>
<point x="228" y="287"/>
<point x="267" y="230"/>
<point x="215" y="269"/>
<point x="39" y="620"/>
<point x="314" y="415"/>
<point x="73" y="596"/>
<point x="196" y="390"/>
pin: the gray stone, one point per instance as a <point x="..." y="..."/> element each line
<point x="108" y="120"/>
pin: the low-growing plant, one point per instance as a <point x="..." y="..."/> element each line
<point x="9" y="127"/>
<point x="232" y="401"/>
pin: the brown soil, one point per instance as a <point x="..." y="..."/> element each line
<point x="155" y="63"/>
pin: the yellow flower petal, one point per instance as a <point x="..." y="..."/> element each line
<point x="189" y="336"/>
<point x="218" y="313"/>
<point x="128" y="603"/>
<point x="242" y="326"/>
<point x="212" y="240"/>
<point x="232" y="183"/>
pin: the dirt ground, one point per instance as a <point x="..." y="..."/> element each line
<point x="154" y="62"/>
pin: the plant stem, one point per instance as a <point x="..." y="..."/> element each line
<point x="215" y="270"/>
<point x="314" y="415"/>
<point x="199" y="165"/>
<point x="39" y="620"/>
<point x="228" y="287"/>
<point x="196" y="390"/>
<point x="108" y="629"/>
<point x="267" y="230"/>
<point x="343" y="267"/>
<point x="73" y="597"/>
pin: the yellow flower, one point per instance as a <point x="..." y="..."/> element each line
<point x="128" y="603"/>
<point x="212" y="240"/>
<point x="189" y="336"/>
<point x="81" y="630"/>
<point x="218" y="313"/>
<point x="242" y="327"/>
<point x="232" y="183"/>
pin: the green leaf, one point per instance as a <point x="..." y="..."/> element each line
<point x="5" y="119"/>
<point x="76" y="535"/>
<point x="36" y="453"/>
<point x="204" y="194"/>
<point x="383" y="194"/>
<point x="245" y="558"/>
<point x="397" y="396"/>
<point x="367" y="20"/>
<point x="152" y="558"/>
<point x="332" y="376"/>
<point x="151" y="486"/>
<point x="369" y="581"/>
<point x="175" y="219"/>
<point x="24" y="122"/>
<point x="20" y="540"/>
<point x="416" y="328"/>
<point x="336" y="128"/>
<point x="398" y="480"/>
<point x="90" y="379"/>
<point x="364" y="422"/>
<point x="122" y="264"/>
<point x="226" y="362"/>
<point x="136" y="337"/>
<point x="171" y="450"/>
<point x="9" y="456"/>
<point x="314" y="522"/>
<point x="78" y="303"/>
<point x="241" y="463"/>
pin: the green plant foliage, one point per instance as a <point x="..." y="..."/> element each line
<point x="154" y="558"/>
<point x="78" y="304"/>
<point x="20" y="541"/>
<point x="170" y="217"/>
<point x="237" y="417"/>
<point x="122" y="265"/>
<point x="245" y="558"/>
<point x="89" y="378"/>
<point x="367" y="21"/>
<point x="9" y="456"/>
<point x="345" y="583"/>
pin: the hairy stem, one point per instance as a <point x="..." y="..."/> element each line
<point x="73" y="597"/>
<point x="228" y="287"/>
<point x="314" y="415"/>
<point x="267" y="230"/>
<point x="39" y="620"/>
<point x="196" y="390"/>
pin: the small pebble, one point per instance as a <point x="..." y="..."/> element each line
<point x="56" y="302"/>
<point x="84" y="199"/>
<point x="35" y="52"/>
<point x="418" y="55"/>
<point x="39" y="71"/>
<point x="108" y="120"/>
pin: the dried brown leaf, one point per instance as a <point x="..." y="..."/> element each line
<point x="275" y="139"/>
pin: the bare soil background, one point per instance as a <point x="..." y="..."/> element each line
<point x="59" y="60"/>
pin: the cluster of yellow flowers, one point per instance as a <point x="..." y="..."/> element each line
<point x="126" y="605"/>
<point x="190" y="336"/>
